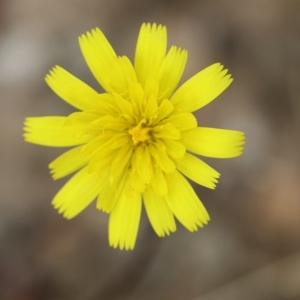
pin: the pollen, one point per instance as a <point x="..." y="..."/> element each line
<point x="140" y="133"/>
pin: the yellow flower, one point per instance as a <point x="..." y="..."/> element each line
<point x="138" y="141"/>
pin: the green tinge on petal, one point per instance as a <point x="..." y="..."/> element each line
<point x="171" y="71"/>
<point x="214" y="142"/>
<point x="159" y="214"/>
<point x="124" y="221"/>
<point x="150" y="51"/>
<point x="198" y="171"/>
<point x="201" y="89"/>
<point x="71" y="89"/>
<point x="77" y="194"/>
<point x="113" y="73"/>
<point x="184" y="203"/>
<point x="68" y="163"/>
<point x="51" y="131"/>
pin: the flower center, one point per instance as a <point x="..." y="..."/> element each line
<point x="140" y="133"/>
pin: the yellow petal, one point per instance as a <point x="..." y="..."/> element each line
<point x="127" y="74"/>
<point x="77" y="194"/>
<point x="151" y="88"/>
<point x="137" y="184"/>
<point x="112" y="72"/>
<point x="159" y="214"/>
<point x="71" y="89"/>
<point x="201" y="89"/>
<point x="167" y="131"/>
<point x="124" y="221"/>
<point x="150" y="51"/>
<point x="184" y="203"/>
<point x="198" y="171"/>
<point x="174" y="149"/>
<point x="150" y="104"/>
<point x="105" y="105"/>
<point x="158" y="152"/>
<point x="50" y="131"/>
<point x="171" y="71"/>
<point x="137" y="98"/>
<point x="109" y="194"/>
<point x="214" y="142"/>
<point x="142" y="163"/>
<point x="158" y="182"/>
<point x="96" y="143"/>
<point x="110" y="122"/>
<point x="82" y="119"/>
<point x="150" y="108"/>
<point x="120" y="162"/>
<point x="182" y="121"/>
<point x="124" y="105"/>
<point x="165" y="108"/>
<point x="105" y="144"/>
<point x="102" y="163"/>
<point x="68" y="163"/>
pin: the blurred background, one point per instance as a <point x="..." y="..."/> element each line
<point x="250" y="249"/>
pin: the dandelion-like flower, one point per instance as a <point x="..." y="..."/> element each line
<point x="137" y="142"/>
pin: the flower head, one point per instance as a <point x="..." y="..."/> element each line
<point x="136" y="142"/>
